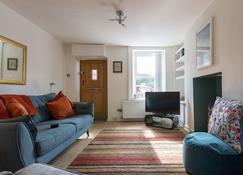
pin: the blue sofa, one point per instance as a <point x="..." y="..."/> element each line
<point x="17" y="146"/>
<point x="205" y="154"/>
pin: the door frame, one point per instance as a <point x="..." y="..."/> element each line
<point x="106" y="83"/>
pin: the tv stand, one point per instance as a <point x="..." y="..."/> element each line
<point x="168" y="121"/>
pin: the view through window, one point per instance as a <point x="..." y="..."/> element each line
<point x="147" y="72"/>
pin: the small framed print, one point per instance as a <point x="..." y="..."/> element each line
<point x="12" y="64"/>
<point x="117" y="66"/>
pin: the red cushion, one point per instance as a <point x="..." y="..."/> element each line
<point x="15" y="108"/>
<point x="3" y="111"/>
<point x="60" y="108"/>
<point x="24" y="100"/>
<point x="60" y="95"/>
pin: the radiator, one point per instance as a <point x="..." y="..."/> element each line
<point x="133" y="109"/>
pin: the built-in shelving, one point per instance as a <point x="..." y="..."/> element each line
<point x="180" y="77"/>
<point x="180" y="59"/>
<point x="179" y="69"/>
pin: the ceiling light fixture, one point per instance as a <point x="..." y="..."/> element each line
<point x="120" y="18"/>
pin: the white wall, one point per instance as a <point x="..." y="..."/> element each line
<point x="72" y="68"/>
<point x="228" y="46"/>
<point x="45" y="54"/>
<point x="117" y="82"/>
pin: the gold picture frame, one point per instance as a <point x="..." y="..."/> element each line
<point x="18" y="63"/>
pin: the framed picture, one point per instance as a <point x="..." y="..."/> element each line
<point x="204" y="43"/>
<point x="12" y="64"/>
<point x="117" y="66"/>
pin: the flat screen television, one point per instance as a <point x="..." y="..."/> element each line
<point x="162" y="102"/>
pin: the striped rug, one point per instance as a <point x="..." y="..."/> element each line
<point x="152" y="151"/>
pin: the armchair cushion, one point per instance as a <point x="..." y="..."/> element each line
<point x="224" y="121"/>
<point x="43" y="169"/>
<point x="205" y="141"/>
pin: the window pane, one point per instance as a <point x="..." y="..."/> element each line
<point x="144" y="75"/>
<point x="146" y="65"/>
<point x="94" y="74"/>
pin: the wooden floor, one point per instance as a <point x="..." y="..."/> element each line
<point x="65" y="158"/>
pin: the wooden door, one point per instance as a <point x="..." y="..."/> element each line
<point x="93" y="85"/>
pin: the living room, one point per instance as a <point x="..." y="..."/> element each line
<point x="62" y="40"/>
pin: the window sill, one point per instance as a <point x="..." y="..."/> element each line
<point x="134" y="99"/>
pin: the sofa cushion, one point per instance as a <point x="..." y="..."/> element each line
<point x="60" y="108"/>
<point x="60" y="95"/>
<point x="3" y="110"/>
<point x="79" y="121"/>
<point x="23" y="100"/>
<point x="203" y="140"/>
<point x="39" y="102"/>
<point x="83" y="108"/>
<point x="47" y="139"/>
<point x="224" y="121"/>
<point x="15" y="108"/>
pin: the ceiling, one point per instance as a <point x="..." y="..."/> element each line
<point x="149" y="22"/>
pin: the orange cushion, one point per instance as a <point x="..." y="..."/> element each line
<point x="60" y="108"/>
<point x="24" y="100"/>
<point x="15" y="108"/>
<point x="60" y="95"/>
<point x="3" y="110"/>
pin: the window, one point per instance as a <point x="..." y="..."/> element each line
<point x="94" y="74"/>
<point x="148" y="72"/>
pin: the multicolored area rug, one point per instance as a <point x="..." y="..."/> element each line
<point x="132" y="152"/>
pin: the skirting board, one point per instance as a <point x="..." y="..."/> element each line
<point x="187" y="129"/>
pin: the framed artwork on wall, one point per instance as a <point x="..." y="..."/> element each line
<point x="117" y="66"/>
<point x="12" y="64"/>
<point x="204" y="43"/>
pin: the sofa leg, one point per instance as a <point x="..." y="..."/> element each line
<point x="87" y="133"/>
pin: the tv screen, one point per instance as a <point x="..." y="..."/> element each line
<point x="162" y="102"/>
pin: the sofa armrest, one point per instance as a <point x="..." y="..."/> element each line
<point x="11" y="120"/>
<point x="17" y="147"/>
<point x="84" y="108"/>
<point x="27" y="121"/>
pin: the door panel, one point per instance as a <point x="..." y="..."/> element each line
<point x="93" y="85"/>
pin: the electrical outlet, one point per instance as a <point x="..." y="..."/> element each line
<point x="119" y="110"/>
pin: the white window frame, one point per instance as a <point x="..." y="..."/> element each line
<point x="131" y="80"/>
